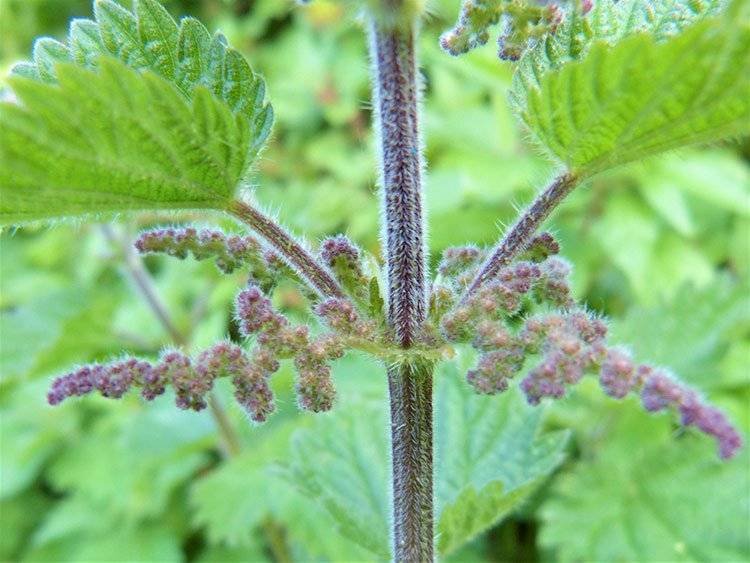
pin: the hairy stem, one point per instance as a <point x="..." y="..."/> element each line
<point x="521" y="233"/>
<point x="296" y="255"/>
<point x="147" y="290"/>
<point x="396" y="99"/>
<point x="410" y="387"/>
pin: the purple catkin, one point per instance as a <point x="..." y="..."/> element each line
<point x="339" y="249"/>
<point x="255" y="312"/>
<point x="229" y="253"/>
<point x="112" y="380"/>
<point x="341" y="316"/>
<point x="495" y="369"/>
<point x="456" y="260"/>
<point x="541" y="247"/>
<point x="618" y="374"/>
<point x="191" y="381"/>
<point x="253" y="393"/>
<point x="661" y="391"/>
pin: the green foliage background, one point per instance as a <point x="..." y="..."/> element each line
<point x="662" y="247"/>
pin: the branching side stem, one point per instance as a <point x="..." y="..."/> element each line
<point x="283" y="243"/>
<point x="521" y="233"/>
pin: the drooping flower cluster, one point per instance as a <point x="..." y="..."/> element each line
<point x="568" y="342"/>
<point x="660" y="391"/>
<point x="278" y="339"/>
<point x="275" y="339"/>
<point x="522" y="21"/>
<point x="524" y="315"/>
<point x="230" y="252"/>
<point x="191" y="381"/>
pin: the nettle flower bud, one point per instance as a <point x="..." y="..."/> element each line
<point x="541" y="247"/>
<point x="661" y="391"/>
<point x="190" y="387"/>
<point x="520" y="277"/>
<point x="553" y="286"/>
<point x="571" y="345"/>
<point x="545" y="380"/>
<point x="458" y="259"/>
<point x="315" y="390"/>
<point x="496" y="300"/>
<point x="509" y="49"/>
<point x="341" y="316"/>
<point x="229" y="252"/>
<point x="618" y="374"/>
<point x="442" y="298"/>
<point x="495" y="369"/>
<point x="252" y="391"/>
<point x="344" y="258"/>
<point x="255" y="312"/>
<point x="491" y="336"/>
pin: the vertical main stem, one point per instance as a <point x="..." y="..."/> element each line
<point x="396" y="99"/>
<point x="410" y="389"/>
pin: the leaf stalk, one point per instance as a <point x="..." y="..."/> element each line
<point x="524" y="229"/>
<point x="296" y="255"/>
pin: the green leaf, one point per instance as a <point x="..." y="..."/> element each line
<point x="719" y="178"/>
<point x="246" y="480"/>
<point x="490" y="456"/>
<point x="649" y="498"/>
<point x="32" y="434"/>
<point x="175" y="123"/>
<point x="116" y="140"/>
<point x="342" y="463"/>
<point x="134" y="459"/>
<point x="625" y="83"/>
<point x="21" y="514"/>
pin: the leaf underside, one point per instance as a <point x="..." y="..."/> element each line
<point x="135" y="112"/>
<point x="634" y="79"/>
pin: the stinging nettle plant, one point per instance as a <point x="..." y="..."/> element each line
<point x="137" y="112"/>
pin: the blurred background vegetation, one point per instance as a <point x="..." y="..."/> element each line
<point x="663" y="248"/>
